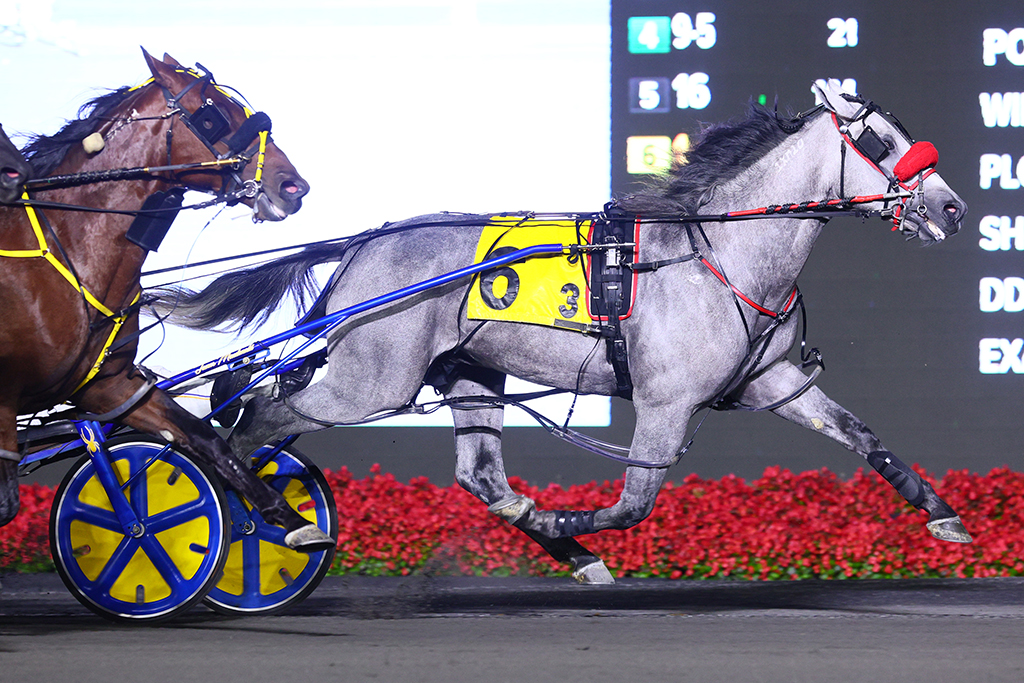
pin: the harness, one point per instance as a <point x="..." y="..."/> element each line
<point x="908" y="175"/>
<point x="210" y="125"/>
<point x="68" y="274"/>
<point x="612" y="286"/>
<point x="611" y="300"/>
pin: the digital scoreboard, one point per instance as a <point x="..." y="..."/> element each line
<point x="925" y="345"/>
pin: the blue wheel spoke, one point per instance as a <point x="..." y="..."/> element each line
<point x="271" y="534"/>
<point x="139" y="495"/>
<point x="115" y="566"/>
<point x="90" y="514"/>
<point x="251" y="566"/>
<point x="168" y="519"/>
<point x="162" y="561"/>
<point x="280" y="482"/>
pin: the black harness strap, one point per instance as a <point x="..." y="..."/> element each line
<point x="652" y="266"/>
<point x="140" y="393"/>
<point x="609" y="280"/>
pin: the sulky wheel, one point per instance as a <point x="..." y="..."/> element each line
<point x="171" y="565"/>
<point x="262" y="575"/>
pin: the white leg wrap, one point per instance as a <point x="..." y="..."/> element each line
<point x="513" y="509"/>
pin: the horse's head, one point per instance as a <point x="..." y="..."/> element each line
<point x="878" y="153"/>
<point x="218" y="129"/>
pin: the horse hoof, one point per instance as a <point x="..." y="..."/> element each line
<point x="950" y="529"/>
<point x="513" y="509"/>
<point x="308" y="539"/>
<point x="594" y="574"/>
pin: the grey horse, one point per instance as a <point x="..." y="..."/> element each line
<point x="711" y="325"/>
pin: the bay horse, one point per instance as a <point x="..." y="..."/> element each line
<point x="70" y="282"/>
<point x="14" y="170"/>
<point x="711" y="325"/>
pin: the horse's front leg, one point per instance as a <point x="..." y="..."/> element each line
<point x="158" y="415"/>
<point x="816" y="411"/>
<point x="481" y="471"/>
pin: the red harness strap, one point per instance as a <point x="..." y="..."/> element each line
<point x="747" y="300"/>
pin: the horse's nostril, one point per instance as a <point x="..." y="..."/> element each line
<point x="951" y="210"/>
<point x="293" y="190"/>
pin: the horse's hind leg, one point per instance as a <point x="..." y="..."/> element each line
<point x="816" y="411"/>
<point x="481" y="471"/>
<point x="159" y="416"/>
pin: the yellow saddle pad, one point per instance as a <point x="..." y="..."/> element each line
<point x="543" y="290"/>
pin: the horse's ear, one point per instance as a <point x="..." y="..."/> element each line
<point x="171" y="60"/>
<point x="163" y="73"/>
<point x="831" y="95"/>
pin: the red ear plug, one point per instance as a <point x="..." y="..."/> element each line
<point x="920" y="156"/>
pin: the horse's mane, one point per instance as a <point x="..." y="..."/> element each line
<point x="45" y="152"/>
<point x="720" y="152"/>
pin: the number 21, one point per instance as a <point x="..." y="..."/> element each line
<point x="844" y="32"/>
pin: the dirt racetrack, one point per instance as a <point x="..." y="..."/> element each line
<point x="535" y="630"/>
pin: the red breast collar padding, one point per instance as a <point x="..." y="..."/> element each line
<point x="920" y="156"/>
<point x="747" y="300"/>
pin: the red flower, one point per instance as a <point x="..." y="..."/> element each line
<point x="780" y="526"/>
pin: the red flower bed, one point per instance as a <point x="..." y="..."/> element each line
<point x="25" y="542"/>
<point x="781" y="526"/>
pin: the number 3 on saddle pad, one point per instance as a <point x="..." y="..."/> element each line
<point x="551" y="291"/>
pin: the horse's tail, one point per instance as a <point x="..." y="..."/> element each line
<point x="245" y="297"/>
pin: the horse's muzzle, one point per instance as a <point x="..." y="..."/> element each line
<point x="280" y="197"/>
<point x="939" y="216"/>
<point x="11" y="182"/>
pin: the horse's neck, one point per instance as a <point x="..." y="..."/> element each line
<point x="797" y="170"/>
<point x="95" y="242"/>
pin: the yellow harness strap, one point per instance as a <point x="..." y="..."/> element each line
<point x="44" y="252"/>
<point x="118" y="322"/>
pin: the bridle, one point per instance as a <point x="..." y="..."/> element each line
<point x="210" y="126"/>
<point x="909" y="172"/>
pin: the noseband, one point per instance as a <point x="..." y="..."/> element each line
<point x="916" y="164"/>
